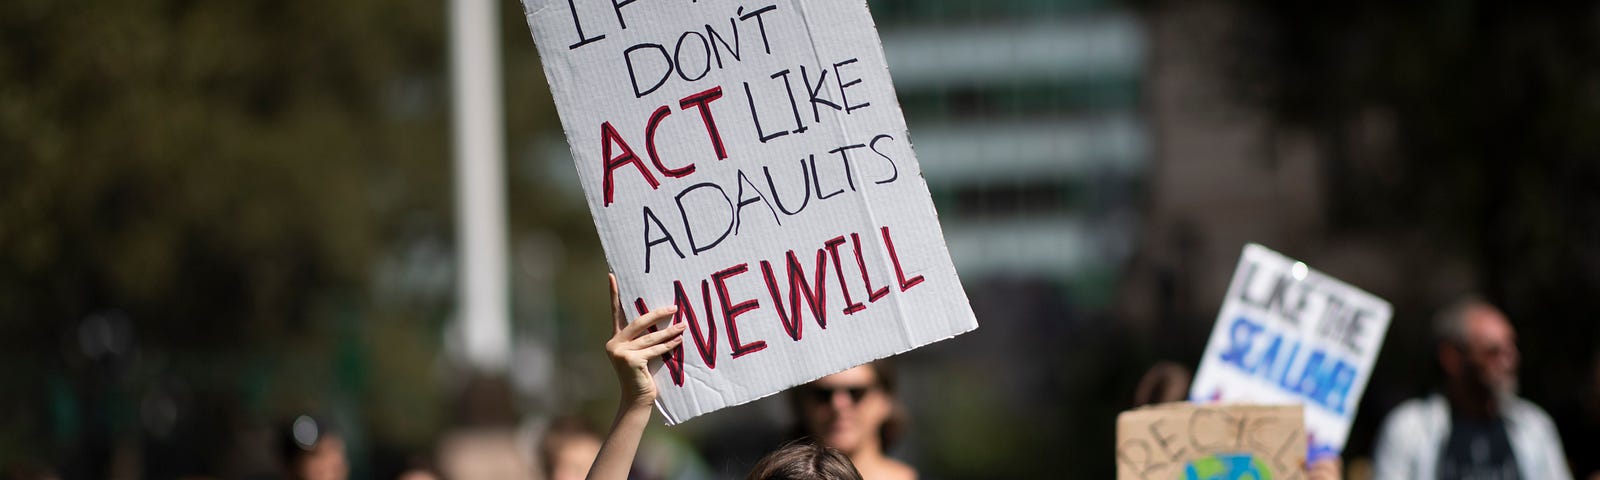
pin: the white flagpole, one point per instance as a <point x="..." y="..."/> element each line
<point x="483" y="320"/>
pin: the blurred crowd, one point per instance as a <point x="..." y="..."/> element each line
<point x="1472" y="426"/>
<point x="225" y="241"/>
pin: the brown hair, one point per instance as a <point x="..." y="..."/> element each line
<point x="1164" y="382"/>
<point x="563" y="430"/>
<point x="804" y="460"/>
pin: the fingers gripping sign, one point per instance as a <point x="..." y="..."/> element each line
<point x="765" y="174"/>
<point x="633" y="345"/>
<point x="631" y="348"/>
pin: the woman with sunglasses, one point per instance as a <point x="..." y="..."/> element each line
<point x="855" y="412"/>
<point x="631" y="348"/>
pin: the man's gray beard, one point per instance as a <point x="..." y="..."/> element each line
<point x="1505" y="393"/>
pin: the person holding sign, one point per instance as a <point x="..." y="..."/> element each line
<point x="631" y="348"/>
<point x="1477" y="427"/>
<point x="748" y="162"/>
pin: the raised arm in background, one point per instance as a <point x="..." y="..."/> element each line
<point x="631" y="348"/>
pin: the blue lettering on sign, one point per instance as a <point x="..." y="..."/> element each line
<point x="1314" y="374"/>
<point x="1242" y="334"/>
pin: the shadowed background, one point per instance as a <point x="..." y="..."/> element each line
<point x="217" y="214"/>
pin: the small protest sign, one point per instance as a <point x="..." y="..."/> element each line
<point x="1287" y="333"/>
<point x="748" y="162"/>
<point x="1204" y="442"/>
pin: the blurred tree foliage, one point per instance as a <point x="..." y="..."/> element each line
<point x="226" y="179"/>
<point x="1474" y="122"/>
<point x="1483" y="100"/>
<point x="1467" y="127"/>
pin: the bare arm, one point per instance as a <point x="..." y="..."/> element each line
<point x="631" y="348"/>
<point x="1327" y="468"/>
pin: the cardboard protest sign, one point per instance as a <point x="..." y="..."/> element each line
<point x="1287" y="333"/>
<point x="748" y="162"/>
<point x="1211" y="442"/>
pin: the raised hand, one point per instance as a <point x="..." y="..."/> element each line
<point x="632" y="347"/>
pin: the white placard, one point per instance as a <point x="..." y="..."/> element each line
<point x="748" y="162"/>
<point x="1290" y="334"/>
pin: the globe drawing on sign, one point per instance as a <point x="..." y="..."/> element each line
<point x="1227" y="466"/>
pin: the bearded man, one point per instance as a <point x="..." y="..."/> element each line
<point x="1476" y="427"/>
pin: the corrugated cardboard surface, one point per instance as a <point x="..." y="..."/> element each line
<point x="1183" y="440"/>
<point x="814" y="161"/>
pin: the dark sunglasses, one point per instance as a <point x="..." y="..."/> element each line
<point x="825" y="395"/>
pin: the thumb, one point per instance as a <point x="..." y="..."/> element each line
<point x="618" y="317"/>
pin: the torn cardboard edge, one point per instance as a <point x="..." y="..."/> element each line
<point x="725" y="114"/>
